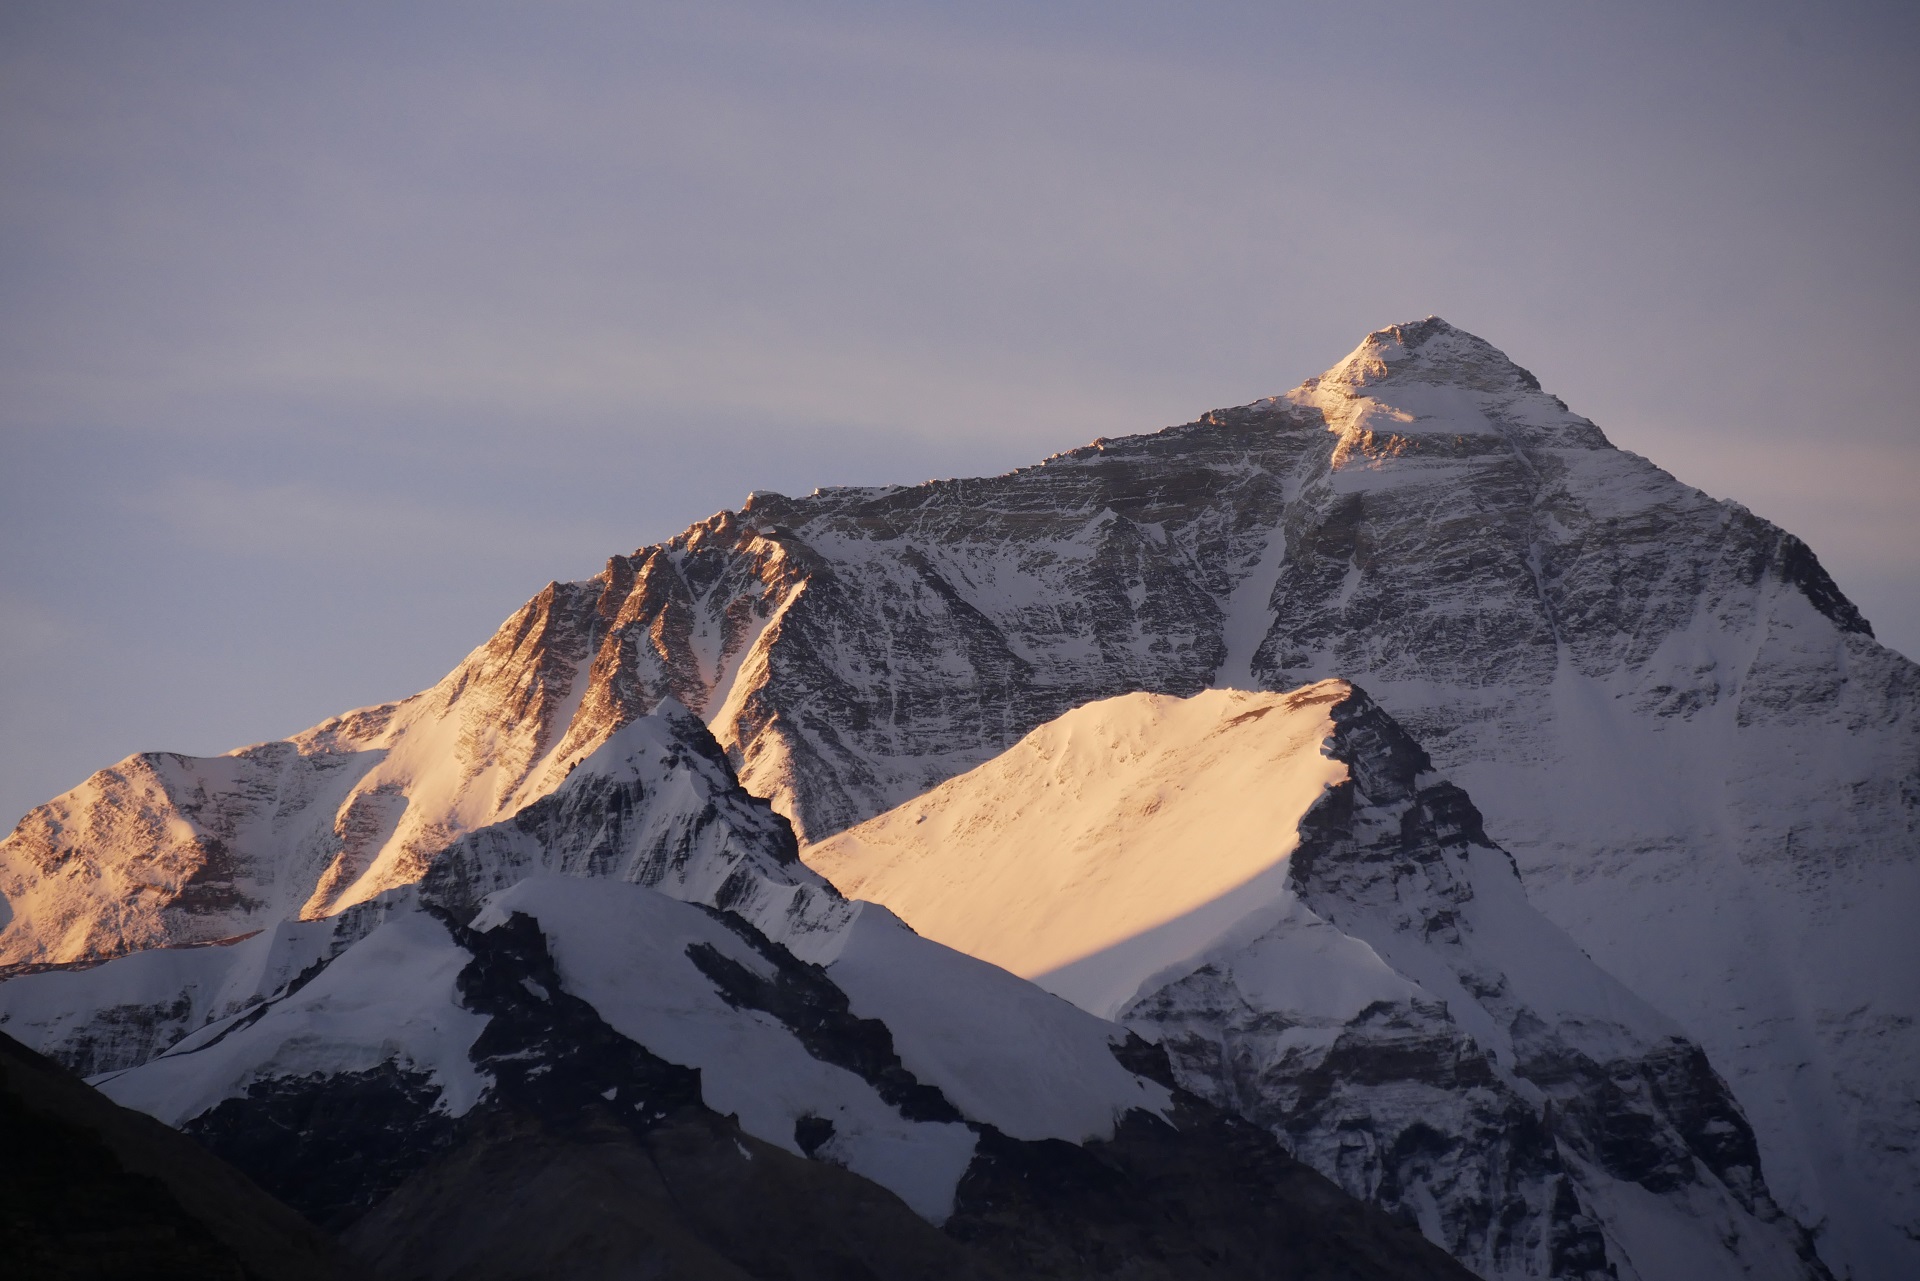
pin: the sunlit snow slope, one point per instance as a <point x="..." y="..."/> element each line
<point x="1122" y="838"/>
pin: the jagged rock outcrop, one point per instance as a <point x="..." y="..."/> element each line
<point x="1519" y="1085"/>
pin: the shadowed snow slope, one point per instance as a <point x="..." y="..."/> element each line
<point x="1327" y="941"/>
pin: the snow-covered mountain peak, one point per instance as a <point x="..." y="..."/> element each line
<point x="1430" y="350"/>
<point x="1429" y="378"/>
<point x="668" y="735"/>
<point x="1668" y="712"/>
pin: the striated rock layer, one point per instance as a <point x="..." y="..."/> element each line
<point x="1705" y="768"/>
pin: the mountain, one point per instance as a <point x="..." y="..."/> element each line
<point x="1705" y="769"/>
<point x="588" y="1073"/>
<point x="1279" y="891"/>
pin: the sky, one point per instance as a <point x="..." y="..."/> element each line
<point x="330" y="333"/>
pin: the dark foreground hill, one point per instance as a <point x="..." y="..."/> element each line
<point x="92" y="1191"/>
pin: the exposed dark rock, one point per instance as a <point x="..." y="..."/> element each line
<point x="1402" y="1109"/>
<point x="1208" y="1195"/>
<point x="548" y="1052"/>
<point x="812" y="1133"/>
<point x="330" y="1146"/>
<point x="1799" y="566"/>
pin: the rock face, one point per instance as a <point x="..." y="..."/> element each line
<point x="1317" y="930"/>
<point x="1706" y="770"/>
<point x="168" y="849"/>
<point x="1623" y="1104"/>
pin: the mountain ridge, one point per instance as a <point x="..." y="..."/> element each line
<point x="890" y="1105"/>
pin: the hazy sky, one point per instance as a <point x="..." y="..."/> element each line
<point x="330" y="332"/>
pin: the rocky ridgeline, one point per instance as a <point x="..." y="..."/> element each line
<point x="1513" y="1094"/>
